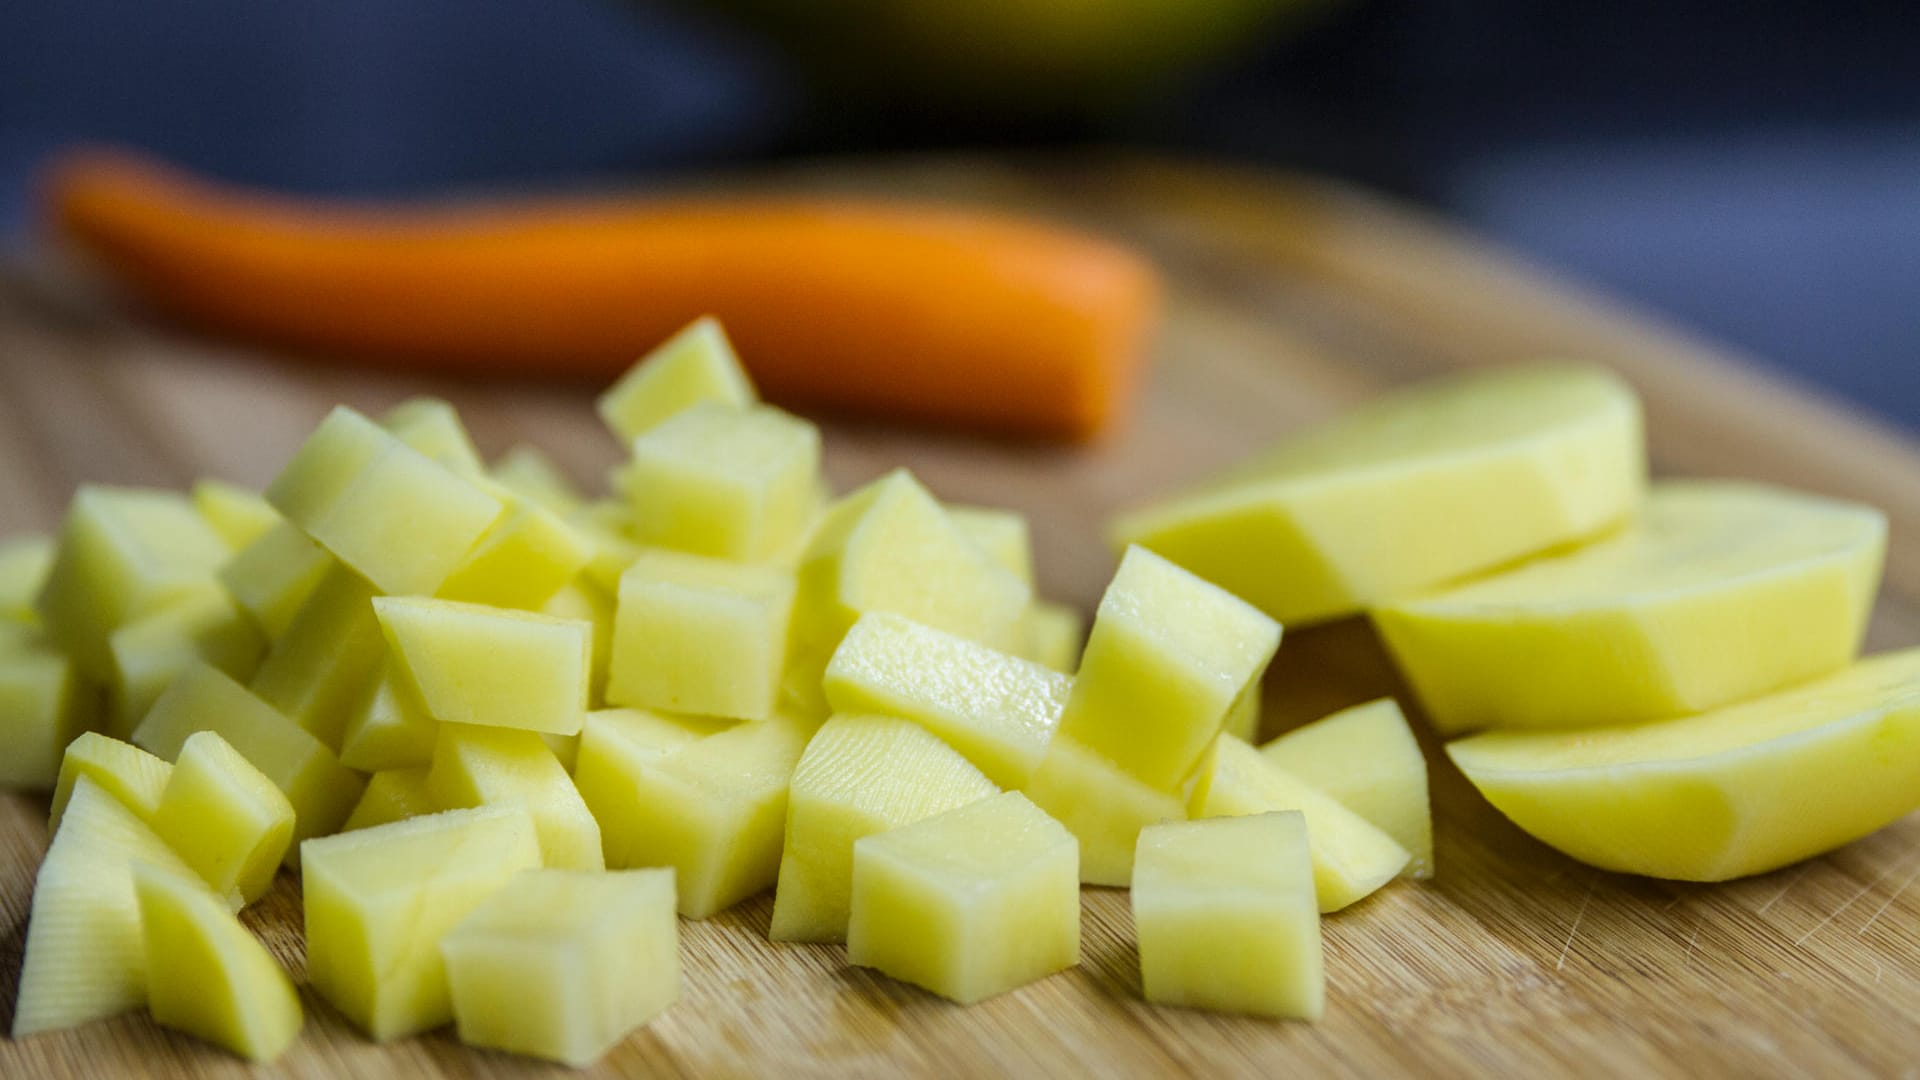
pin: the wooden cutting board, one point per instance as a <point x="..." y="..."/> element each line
<point x="1291" y="299"/>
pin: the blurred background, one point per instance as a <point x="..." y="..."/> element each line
<point x="1748" y="170"/>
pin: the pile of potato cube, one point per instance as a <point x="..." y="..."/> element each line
<point x="506" y="733"/>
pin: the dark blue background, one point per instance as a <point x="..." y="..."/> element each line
<point x="1752" y="169"/>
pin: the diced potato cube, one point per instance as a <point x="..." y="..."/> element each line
<point x="44" y="705"/>
<point x="1351" y="857"/>
<point x="685" y="793"/>
<point x="320" y="670"/>
<point x="723" y="481"/>
<point x="1243" y="719"/>
<point x="890" y="547"/>
<point x="392" y="795"/>
<point x="379" y="900"/>
<point x="1052" y="634"/>
<point x="970" y="903"/>
<point x="240" y="516"/>
<point x="1224" y="913"/>
<point x="1367" y="759"/>
<point x="489" y="666"/>
<point x="401" y="519"/>
<point x="219" y="984"/>
<point x="695" y="365"/>
<point x="526" y="557"/>
<point x="392" y="728"/>
<point x="121" y="769"/>
<point x="481" y="766"/>
<point x="1720" y="591"/>
<point x="150" y="651"/>
<point x="84" y="959"/>
<point x="433" y="427"/>
<point x="273" y="576"/>
<point x="321" y="789"/>
<point x="584" y="601"/>
<point x="24" y="562"/>
<point x="699" y="635"/>
<point x="1168" y="657"/>
<point x="563" y="964"/>
<point x="122" y="552"/>
<point x="859" y="775"/>
<point x="225" y="818"/>
<point x="1003" y="534"/>
<point x="530" y="474"/>
<point x="606" y="527"/>
<point x="998" y="710"/>
<point x="1422" y="487"/>
<point x="1102" y="805"/>
<point x="566" y="748"/>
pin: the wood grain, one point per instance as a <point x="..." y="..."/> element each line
<point x="1291" y="299"/>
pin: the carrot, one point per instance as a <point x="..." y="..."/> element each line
<point x="911" y="311"/>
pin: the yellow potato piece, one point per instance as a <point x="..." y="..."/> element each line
<point x="1414" y="490"/>
<point x="563" y="964"/>
<point x="1102" y="805"/>
<point x="273" y="576"/>
<point x="392" y="795"/>
<point x="401" y="519"/>
<point x="321" y="789"/>
<point x="1003" y="534"/>
<point x="891" y="547"/>
<point x="529" y="554"/>
<point x="584" y="601"/>
<point x="379" y="900"/>
<point x="24" y="562"/>
<point x="606" y="527"/>
<point x="1367" y="759"/>
<point x="240" y="515"/>
<point x="998" y="710"/>
<point x="1720" y="591"/>
<point x="219" y="983"/>
<point x="1243" y="717"/>
<point x="695" y="365"/>
<point x="1168" y="658"/>
<point x="122" y="552"/>
<point x="1351" y="857"/>
<point x="706" y="799"/>
<point x="121" y="769"/>
<point x="530" y="474"/>
<point x="150" y="652"/>
<point x="44" y="706"/>
<point x="1052" y="634"/>
<point x="970" y="903"/>
<point x="322" y="667"/>
<point x="729" y="482"/>
<point x="1224" y="914"/>
<point x="433" y="427"/>
<point x="1741" y="790"/>
<point x="391" y="729"/>
<point x="225" y="818"/>
<point x="700" y="635"/>
<point x="84" y="960"/>
<point x="482" y="766"/>
<point x="860" y="775"/>
<point x="490" y="666"/>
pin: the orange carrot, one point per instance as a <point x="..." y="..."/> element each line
<point x="910" y="311"/>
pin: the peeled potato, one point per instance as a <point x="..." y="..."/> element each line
<point x="1741" y="790"/>
<point x="1719" y="592"/>
<point x="1414" y="490"/>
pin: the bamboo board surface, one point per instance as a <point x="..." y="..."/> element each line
<point x="1290" y="299"/>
